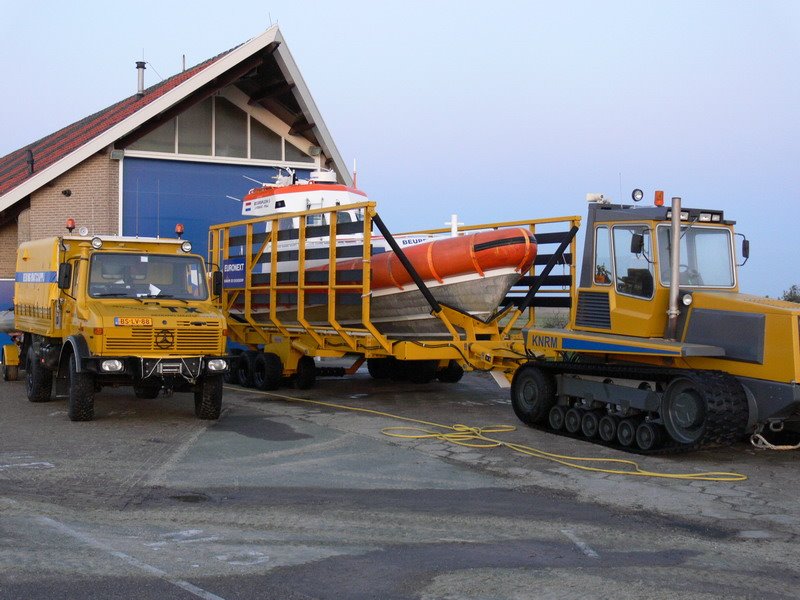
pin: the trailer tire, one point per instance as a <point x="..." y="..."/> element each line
<point x="244" y="369"/>
<point x="208" y="398"/>
<point x="80" y="401"/>
<point x="421" y="371"/>
<point x="379" y="368"/>
<point x="452" y="373"/>
<point x="10" y="372"/>
<point x="533" y="395"/>
<point x="306" y="375"/>
<point x="39" y="381"/>
<point x="267" y="371"/>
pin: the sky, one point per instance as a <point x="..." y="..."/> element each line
<point x="495" y="110"/>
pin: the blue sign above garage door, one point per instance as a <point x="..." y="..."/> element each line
<point x="157" y="194"/>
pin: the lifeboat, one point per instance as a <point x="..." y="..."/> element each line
<point x="471" y="272"/>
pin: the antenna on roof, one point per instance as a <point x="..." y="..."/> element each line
<point x="183" y="63"/>
<point x="256" y="180"/>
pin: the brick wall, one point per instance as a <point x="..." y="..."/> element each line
<point x="8" y="250"/>
<point x="93" y="200"/>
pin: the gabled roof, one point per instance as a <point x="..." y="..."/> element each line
<point x="262" y="67"/>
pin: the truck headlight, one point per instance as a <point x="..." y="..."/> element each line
<point x="97" y="243"/>
<point x="111" y="366"/>
<point x="686" y="299"/>
<point x="186" y="246"/>
<point x="217" y="364"/>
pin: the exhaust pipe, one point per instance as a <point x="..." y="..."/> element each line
<point x="140" y="67"/>
<point x="675" y="271"/>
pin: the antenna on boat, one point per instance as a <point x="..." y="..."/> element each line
<point x="232" y="198"/>
<point x="261" y="183"/>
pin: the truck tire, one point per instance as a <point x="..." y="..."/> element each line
<point x="208" y="398"/>
<point x="306" y="375"/>
<point x="10" y="372"/>
<point x="533" y="394"/>
<point x="267" y="371"/>
<point x="38" y="379"/>
<point x="421" y="371"/>
<point x="80" y="402"/>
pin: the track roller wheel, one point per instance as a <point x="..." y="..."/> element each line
<point x="533" y="394"/>
<point x="626" y="432"/>
<point x="648" y="436"/>
<point x="556" y="417"/>
<point x="590" y="423"/>
<point x="572" y="420"/>
<point x="607" y="428"/>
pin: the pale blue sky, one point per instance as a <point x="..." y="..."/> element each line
<point x="494" y="110"/>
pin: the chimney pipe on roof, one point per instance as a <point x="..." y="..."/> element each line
<point x="140" y="67"/>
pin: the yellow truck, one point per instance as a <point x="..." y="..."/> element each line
<point x="117" y="311"/>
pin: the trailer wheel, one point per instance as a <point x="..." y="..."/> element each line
<point x="379" y="368"/>
<point x="10" y="372"/>
<point x="452" y="373"/>
<point x="80" y="402"/>
<point x="533" y="395"/>
<point x="208" y="398"/>
<point x="39" y="381"/>
<point x="306" y="375"/>
<point x="267" y="371"/>
<point x="244" y="369"/>
<point x="421" y="371"/>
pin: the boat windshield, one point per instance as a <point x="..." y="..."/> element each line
<point x="124" y="275"/>
<point x="706" y="256"/>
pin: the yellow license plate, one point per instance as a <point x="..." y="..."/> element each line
<point x="133" y="321"/>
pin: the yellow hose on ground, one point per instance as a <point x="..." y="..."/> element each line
<point x="475" y="437"/>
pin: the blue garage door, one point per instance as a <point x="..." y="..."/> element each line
<point x="157" y="194"/>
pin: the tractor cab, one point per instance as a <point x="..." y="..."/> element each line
<point x="627" y="268"/>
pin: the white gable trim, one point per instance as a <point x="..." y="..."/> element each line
<point x="169" y="99"/>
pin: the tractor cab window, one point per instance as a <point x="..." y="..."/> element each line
<point x="602" y="256"/>
<point x="633" y="270"/>
<point x="123" y="275"/>
<point x="706" y="256"/>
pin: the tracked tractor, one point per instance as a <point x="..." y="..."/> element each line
<point x="662" y="352"/>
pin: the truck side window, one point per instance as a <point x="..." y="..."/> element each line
<point x="634" y="272"/>
<point x="602" y="256"/>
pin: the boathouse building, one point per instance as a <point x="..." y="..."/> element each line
<point x="178" y="151"/>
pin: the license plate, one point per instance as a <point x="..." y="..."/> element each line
<point x="133" y="321"/>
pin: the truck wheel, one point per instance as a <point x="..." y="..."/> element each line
<point x="80" y="403"/>
<point x="208" y="398"/>
<point x="306" y="375"/>
<point x="146" y="391"/>
<point x="38" y="379"/>
<point x="10" y="372"/>
<point x="452" y="373"/>
<point x="533" y="394"/>
<point x="267" y="371"/>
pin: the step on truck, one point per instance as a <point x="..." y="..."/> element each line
<point x="117" y="311"/>
<point x="662" y="352"/>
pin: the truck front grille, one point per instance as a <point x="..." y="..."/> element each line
<point x="184" y="339"/>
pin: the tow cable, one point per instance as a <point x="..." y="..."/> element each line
<point x="760" y="442"/>
<point x="476" y="437"/>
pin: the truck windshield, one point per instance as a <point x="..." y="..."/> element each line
<point x="706" y="256"/>
<point x="123" y="275"/>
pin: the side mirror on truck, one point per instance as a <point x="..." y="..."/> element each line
<point x="64" y="276"/>
<point x="637" y="243"/>
<point x="216" y="283"/>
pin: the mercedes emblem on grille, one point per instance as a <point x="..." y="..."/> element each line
<point x="164" y="338"/>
